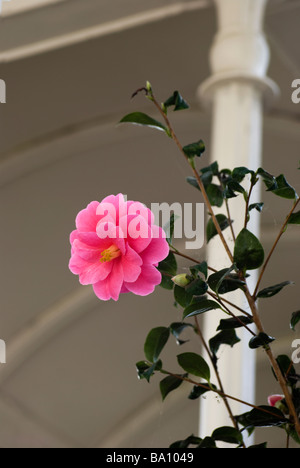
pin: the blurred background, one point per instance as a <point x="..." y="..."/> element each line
<point x="70" y="67"/>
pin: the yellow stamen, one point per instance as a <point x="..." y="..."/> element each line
<point x="110" y="254"/>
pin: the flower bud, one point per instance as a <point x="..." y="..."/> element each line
<point x="182" y="280"/>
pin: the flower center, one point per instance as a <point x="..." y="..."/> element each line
<point x="110" y="254"/>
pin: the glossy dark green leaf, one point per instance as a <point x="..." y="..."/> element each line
<point x="194" y="149"/>
<point x="193" y="182"/>
<point x="200" y="268"/>
<point x="207" y="443"/>
<point x="198" y="287"/>
<point x="256" y="206"/>
<point x="295" y="319"/>
<point x="212" y="169"/>
<point x="226" y="337"/>
<point x="229" y="435"/>
<point x="224" y="281"/>
<point x="215" y="195"/>
<point x="268" y="178"/>
<point x="295" y="218"/>
<point x="273" y="290"/>
<point x="284" y="189"/>
<point x="155" y="342"/>
<point x="177" y="328"/>
<point x="239" y="173"/>
<point x="258" y="418"/>
<point x="248" y="251"/>
<point x="139" y="118"/>
<point x="211" y="230"/>
<point x="169" y="384"/>
<point x="168" y="269"/>
<point x="197" y="392"/>
<point x="287" y="368"/>
<point x="177" y="101"/>
<point x="166" y="282"/>
<point x="200" y="306"/>
<point x="228" y="324"/>
<point x="191" y="440"/>
<point x="145" y="370"/>
<point x="182" y="297"/>
<point x="194" y="364"/>
<point x="262" y="339"/>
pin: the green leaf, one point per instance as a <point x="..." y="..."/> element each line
<point x="248" y="251"/>
<point x="256" y="206"/>
<point x="224" y="282"/>
<point x="197" y="391"/>
<point x="169" y="228"/>
<point x="273" y="290"/>
<point x="230" y="435"/>
<point x="262" y="339"/>
<point x="239" y="173"/>
<point x="177" y="101"/>
<point x="295" y="319"/>
<point x="286" y="367"/>
<point x="215" y="195"/>
<point x="211" y="230"/>
<point x="193" y="182"/>
<point x="155" y="342"/>
<point x="213" y="169"/>
<point x="197" y="288"/>
<point x="227" y="337"/>
<point x="295" y="218"/>
<point x="194" y="149"/>
<point x="182" y="297"/>
<point x="258" y="418"/>
<point x="191" y="440"/>
<point x="194" y="364"/>
<point x="229" y="324"/>
<point x="145" y="370"/>
<point x="268" y="178"/>
<point x="284" y="189"/>
<point x="169" y="384"/>
<point x="200" y="268"/>
<point x="200" y="306"/>
<point x="169" y="268"/>
<point x="207" y="443"/>
<point x="139" y="118"/>
<point x="177" y="328"/>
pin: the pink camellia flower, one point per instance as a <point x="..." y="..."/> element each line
<point x="117" y="247"/>
<point x="273" y="399"/>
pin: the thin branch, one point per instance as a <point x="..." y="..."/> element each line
<point x="231" y="304"/>
<point x="234" y="316"/>
<point x="214" y="364"/>
<point x="198" y="178"/>
<point x="175" y="252"/>
<point x="282" y="230"/>
<point x="218" y="392"/>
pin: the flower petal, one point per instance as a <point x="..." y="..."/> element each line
<point x="145" y="284"/>
<point x="158" y="249"/>
<point x="87" y="219"/>
<point x="112" y="286"/>
<point x="131" y="263"/>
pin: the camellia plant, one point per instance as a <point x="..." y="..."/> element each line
<point x="118" y="249"/>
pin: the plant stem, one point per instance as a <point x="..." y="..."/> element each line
<point x="247" y="204"/>
<point x="218" y="392"/>
<point x="175" y="252"/>
<point x="198" y="178"/>
<point x="281" y="380"/>
<point x="214" y="364"/>
<point x="234" y="316"/>
<point x="231" y="304"/>
<point x="282" y="230"/>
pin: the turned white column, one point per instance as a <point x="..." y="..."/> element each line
<point x="236" y="90"/>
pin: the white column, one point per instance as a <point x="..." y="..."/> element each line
<point x="239" y="61"/>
